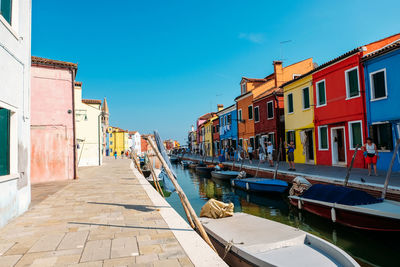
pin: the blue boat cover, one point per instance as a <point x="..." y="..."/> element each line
<point x="339" y="194"/>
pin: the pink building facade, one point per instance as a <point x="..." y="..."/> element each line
<point x="53" y="155"/>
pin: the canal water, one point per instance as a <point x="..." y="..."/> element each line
<point x="368" y="248"/>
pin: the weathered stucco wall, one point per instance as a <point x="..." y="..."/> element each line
<point x="15" y="53"/>
<point x="52" y="128"/>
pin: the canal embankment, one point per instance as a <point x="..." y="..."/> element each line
<point x="359" y="178"/>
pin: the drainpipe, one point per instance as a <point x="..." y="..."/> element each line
<point x="73" y="73"/>
<point x="364" y="99"/>
<point x="279" y="122"/>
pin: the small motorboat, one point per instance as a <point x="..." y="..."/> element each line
<point x="146" y="173"/>
<point x="247" y="240"/>
<point x="193" y="165"/>
<point x="186" y="163"/>
<point x="224" y="175"/>
<point x="204" y="170"/>
<point x="350" y="207"/>
<point x="261" y="185"/>
<point x="173" y="159"/>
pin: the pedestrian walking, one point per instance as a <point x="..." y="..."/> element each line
<point x="122" y="154"/>
<point x="250" y="152"/>
<point x="290" y="153"/>
<point x="115" y="155"/>
<point x="270" y="150"/>
<point x="371" y="155"/>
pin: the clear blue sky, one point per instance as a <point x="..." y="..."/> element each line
<point x="161" y="64"/>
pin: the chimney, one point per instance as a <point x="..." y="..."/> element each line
<point x="278" y="70"/>
<point x="220" y="107"/>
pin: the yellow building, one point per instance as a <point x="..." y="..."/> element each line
<point x="299" y="117"/>
<point x="118" y="141"/>
<point x="208" y="137"/>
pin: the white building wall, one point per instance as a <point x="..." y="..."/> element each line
<point x="15" y="64"/>
<point x="88" y="132"/>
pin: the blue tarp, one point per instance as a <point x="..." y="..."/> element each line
<point x="339" y="194"/>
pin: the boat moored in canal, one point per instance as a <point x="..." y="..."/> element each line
<point x="261" y="185"/>
<point x="247" y="240"/>
<point x="350" y="207"/>
<point x="204" y="170"/>
<point x="224" y="175"/>
<point x="186" y="163"/>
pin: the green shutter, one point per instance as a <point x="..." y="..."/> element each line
<point x="352" y="79"/>
<point x="356" y="134"/>
<point x="306" y="98"/>
<point x="323" y="131"/>
<point x="4" y="141"/>
<point x="5" y="10"/>
<point x="378" y="80"/>
<point x="250" y="108"/>
<point x="290" y="103"/>
<point x="321" y="94"/>
<point x="256" y="114"/>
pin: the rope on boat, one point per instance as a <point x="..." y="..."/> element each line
<point x="228" y="247"/>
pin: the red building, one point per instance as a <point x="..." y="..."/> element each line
<point x="340" y="116"/>
<point x="215" y="135"/>
<point x="268" y="121"/>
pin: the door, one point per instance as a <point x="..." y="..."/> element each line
<point x="338" y="146"/>
<point x="310" y="145"/>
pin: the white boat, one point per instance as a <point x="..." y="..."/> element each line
<point x="247" y="240"/>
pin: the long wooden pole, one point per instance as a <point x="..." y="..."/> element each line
<point x="389" y="172"/>
<point x="137" y="163"/>
<point x="346" y="179"/>
<point x="180" y="192"/>
<point x="155" y="178"/>
<point x="277" y="160"/>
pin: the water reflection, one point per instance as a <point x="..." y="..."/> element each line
<point x="379" y="249"/>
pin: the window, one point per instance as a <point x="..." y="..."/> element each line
<point x="270" y="109"/>
<point x="240" y="115"/>
<point x="271" y="138"/>
<point x="250" y="109"/>
<point x="321" y="93"/>
<point x="257" y="144"/>
<point x="296" y="76"/>
<point x="291" y="137"/>
<point x="111" y="142"/>
<point x="323" y="137"/>
<point x="110" y="134"/>
<point x="243" y="86"/>
<point x="6" y="9"/>
<point x="378" y="84"/>
<point x="306" y="98"/>
<point x="252" y="141"/>
<point x="352" y="86"/>
<point x="225" y="120"/>
<point x="256" y="114"/>
<point x="110" y="149"/>
<point x="290" y="103"/>
<point x="241" y="142"/>
<point x="382" y="135"/>
<point x="229" y="119"/>
<point x="4" y="141"/>
<point x="356" y="138"/>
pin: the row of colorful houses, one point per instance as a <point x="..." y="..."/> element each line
<point x="326" y="110"/>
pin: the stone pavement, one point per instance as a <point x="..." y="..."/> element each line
<point x="103" y="219"/>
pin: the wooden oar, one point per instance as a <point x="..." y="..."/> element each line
<point x="389" y="172"/>
<point x="185" y="202"/>
<point x="346" y="179"/>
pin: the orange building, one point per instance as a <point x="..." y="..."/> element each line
<point x="253" y="88"/>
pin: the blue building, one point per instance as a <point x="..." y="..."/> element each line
<point x="228" y="127"/>
<point x="382" y="90"/>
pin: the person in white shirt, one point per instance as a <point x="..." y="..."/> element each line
<point x="250" y="152"/>
<point x="270" y="150"/>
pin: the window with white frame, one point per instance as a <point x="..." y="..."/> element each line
<point x="356" y="138"/>
<point x="229" y="119"/>
<point x="296" y="76"/>
<point x="291" y="137"/>
<point x="323" y="138"/>
<point x="256" y="114"/>
<point x="243" y="87"/>
<point x="378" y="84"/>
<point x="271" y="138"/>
<point x="306" y="98"/>
<point x="352" y="83"/>
<point x="250" y="111"/>
<point x="240" y="115"/>
<point x="270" y="110"/>
<point x="321" y="93"/>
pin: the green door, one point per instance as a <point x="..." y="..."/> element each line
<point x="4" y="141"/>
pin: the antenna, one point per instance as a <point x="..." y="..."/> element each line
<point x="281" y="47"/>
